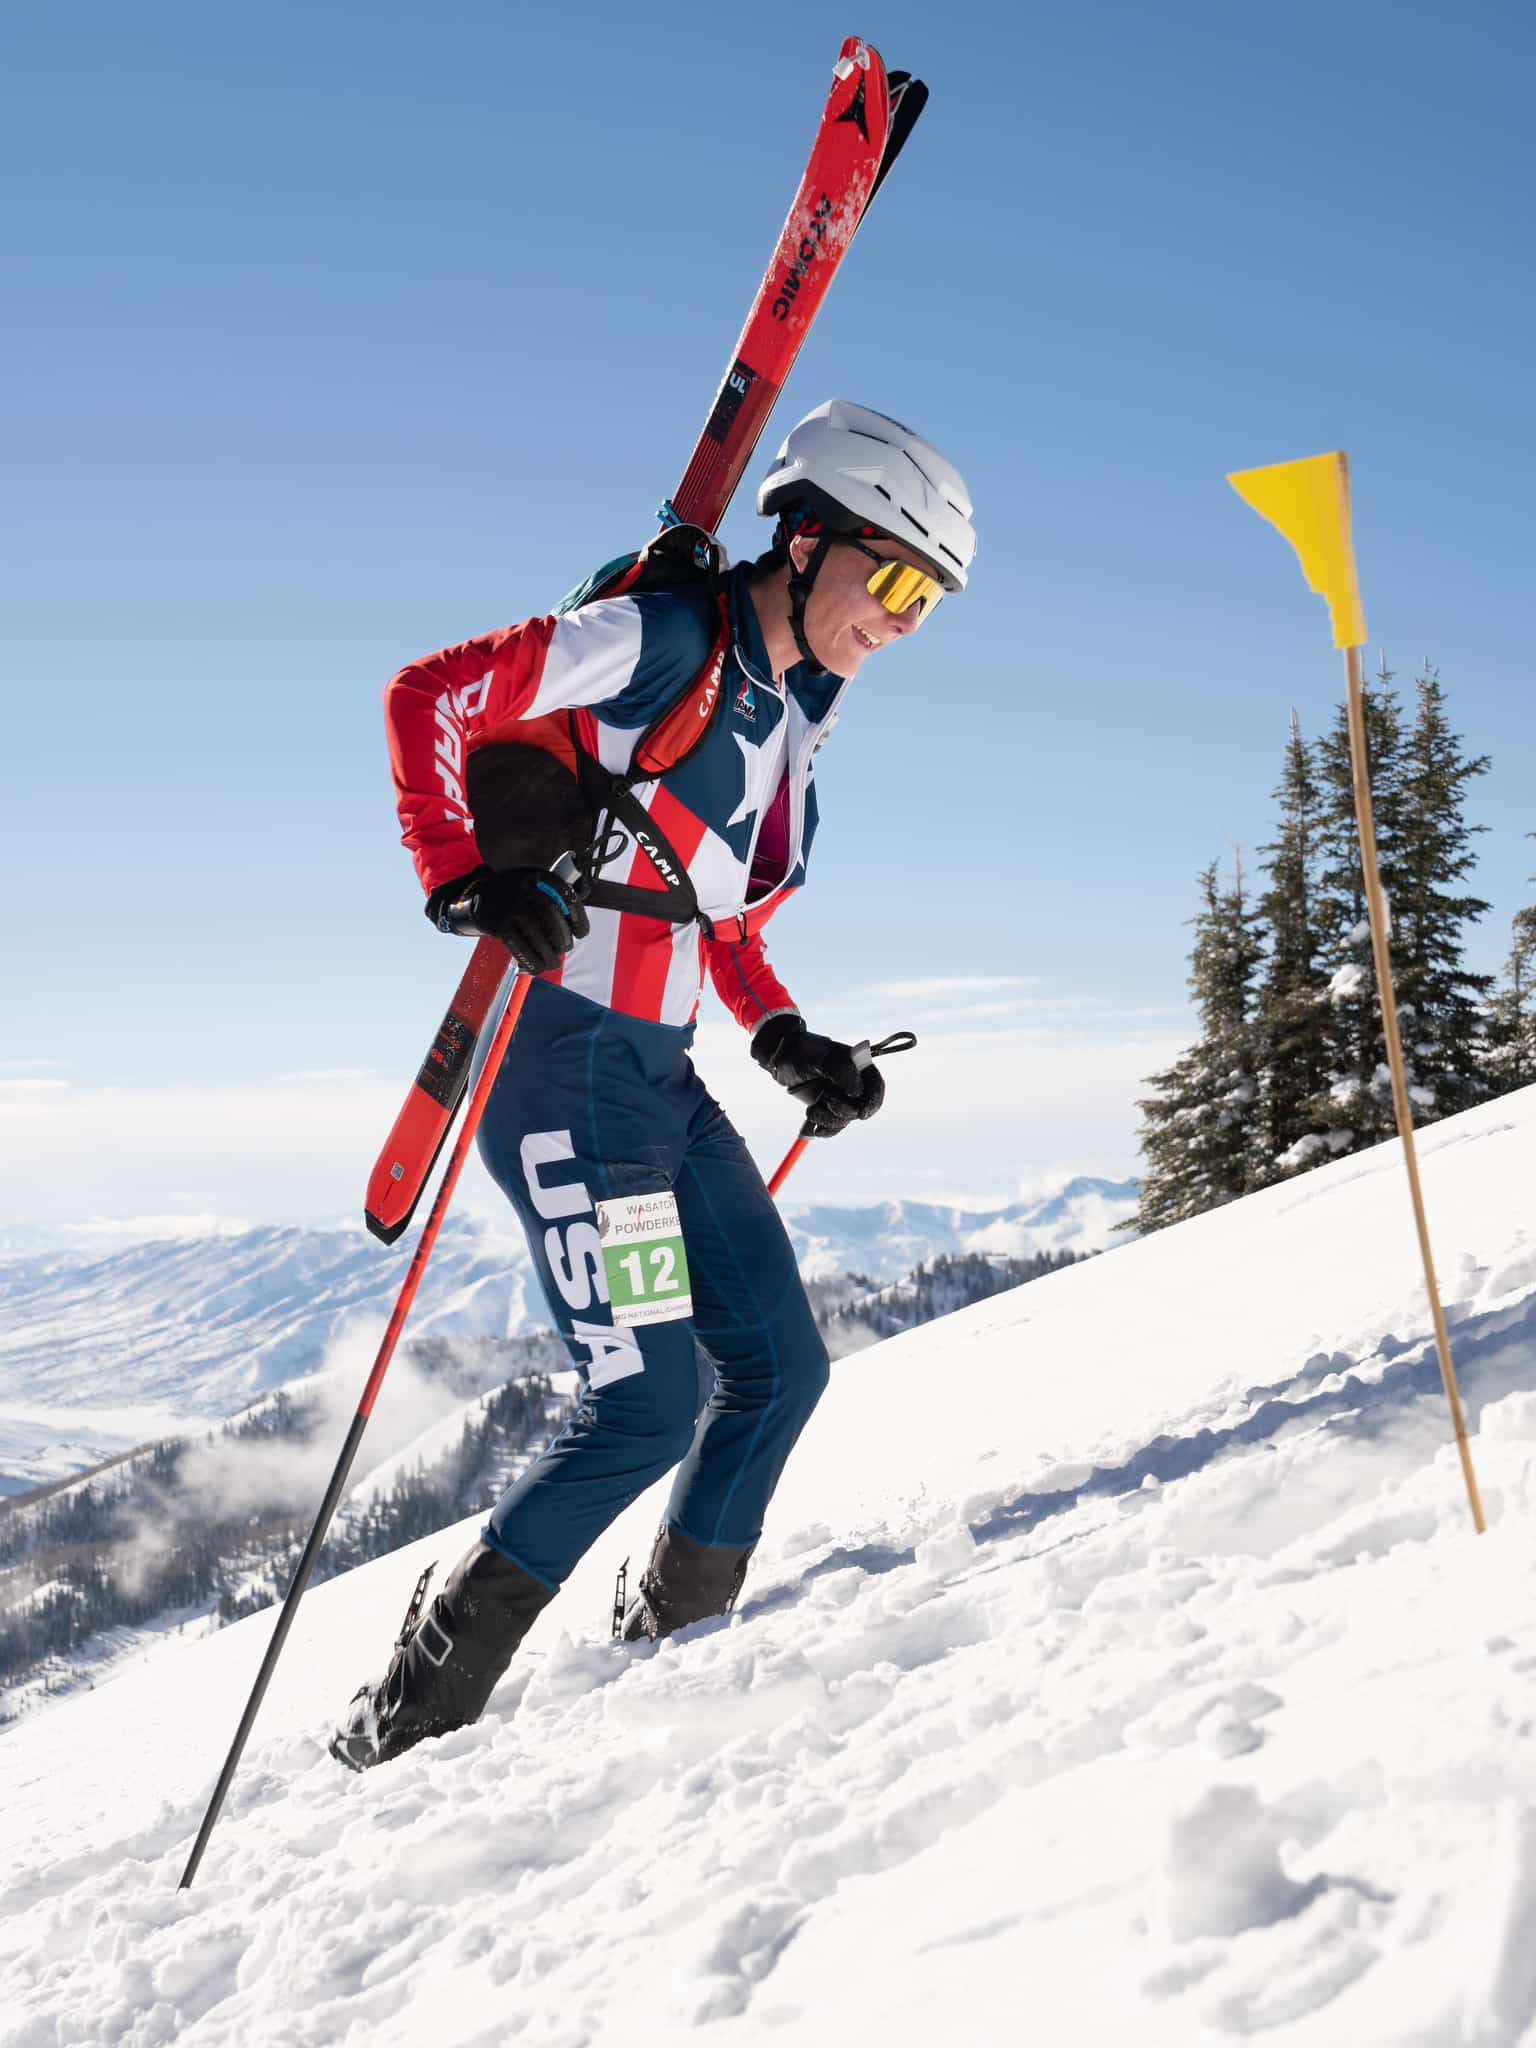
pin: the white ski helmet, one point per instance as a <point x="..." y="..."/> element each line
<point x="852" y="467"/>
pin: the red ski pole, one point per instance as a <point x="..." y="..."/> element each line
<point x="500" y="1040"/>
<point x="788" y="1163"/>
<point x="864" y="1055"/>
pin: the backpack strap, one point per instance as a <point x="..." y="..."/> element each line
<point x="671" y="739"/>
<point x="613" y="799"/>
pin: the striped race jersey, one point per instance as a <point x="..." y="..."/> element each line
<point x="740" y="810"/>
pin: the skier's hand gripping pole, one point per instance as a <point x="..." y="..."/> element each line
<point x="479" y="1096"/>
<point x="864" y="1055"/>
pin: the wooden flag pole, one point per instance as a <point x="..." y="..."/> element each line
<point x="1377" y="906"/>
<point x="1308" y="501"/>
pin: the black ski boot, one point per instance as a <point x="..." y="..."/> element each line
<point x="684" y="1581"/>
<point x="446" y="1662"/>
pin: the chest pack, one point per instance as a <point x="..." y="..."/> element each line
<point x="535" y="792"/>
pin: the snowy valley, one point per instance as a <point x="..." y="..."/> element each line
<point x="103" y="1351"/>
<point x="1119" y="1664"/>
<point x="202" y="1520"/>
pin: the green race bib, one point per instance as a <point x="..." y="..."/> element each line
<point x="643" y="1258"/>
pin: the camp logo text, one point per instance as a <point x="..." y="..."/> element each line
<point x="669" y="873"/>
<point x="711" y="689"/>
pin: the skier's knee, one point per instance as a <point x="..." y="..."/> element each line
<point x="676" y="1440"/>
<point x="812" y="1373"/>
<point x="666" y="1422"/>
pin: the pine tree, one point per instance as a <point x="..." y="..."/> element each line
<point x="1419" y="779"/>
<point x="1198" y="1133"/>
<point x="1354" y="1107"/>
<point x="1293" y="992"/>
<point x="1440" y="1005"/>
<point x="1511" y="1018"/>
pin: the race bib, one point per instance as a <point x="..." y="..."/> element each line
<point x="643" y="1258"/>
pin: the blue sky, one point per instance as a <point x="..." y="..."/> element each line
<point x="340" y="332"/>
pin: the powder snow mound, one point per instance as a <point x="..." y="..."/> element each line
<point x="1119" y="1664"/>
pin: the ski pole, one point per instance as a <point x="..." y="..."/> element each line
<point x="864" y="1055"/>
<point x="500" y="1040"/>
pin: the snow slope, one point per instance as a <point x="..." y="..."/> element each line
<point x="1119" y="1666"/>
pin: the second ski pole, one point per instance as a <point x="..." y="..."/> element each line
<point x="479" y="1095"/>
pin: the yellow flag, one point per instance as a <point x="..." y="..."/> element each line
<point x="1309" y="502"/>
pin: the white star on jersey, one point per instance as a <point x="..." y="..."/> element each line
<point x="752" y="772"/>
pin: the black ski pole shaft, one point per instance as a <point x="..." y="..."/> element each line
<point x="386" y="1351"/>
<point x="317" y="1536"/>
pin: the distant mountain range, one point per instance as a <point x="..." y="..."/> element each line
<point x="99" y="1353"/>
<point x="885" y="1240"/>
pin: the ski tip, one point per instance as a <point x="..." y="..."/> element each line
<point x="853" y="56"/>
<point x="385" y="1232"/>
<point x="907" y="100"/>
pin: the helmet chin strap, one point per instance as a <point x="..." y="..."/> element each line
<point x="800" y="584"/>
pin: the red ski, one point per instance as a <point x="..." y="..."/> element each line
<point x="864" y="123"/>
<point x="867" y="118"/>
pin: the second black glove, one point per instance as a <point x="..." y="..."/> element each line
<point x="534" y="914"/>
<point x="820" y="1072"/>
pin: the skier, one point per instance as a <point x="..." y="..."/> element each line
<point x="649" y="1224"/>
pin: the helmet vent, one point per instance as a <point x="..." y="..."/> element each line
<point x="858" y="470"/>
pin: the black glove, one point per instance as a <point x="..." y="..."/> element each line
<point x="820" y="1072"/>
<point x="531" y="911"/>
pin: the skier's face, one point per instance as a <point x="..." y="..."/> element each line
<point x="844" y="621"/>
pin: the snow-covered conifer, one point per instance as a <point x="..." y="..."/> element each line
<point x="1419" y="776"/>
<point x="1511" y="1015"/>
<point x="1293" y="991"/>
<point x="1353" y="1108"/>
<point x="1441" y="1004"/>
<point x="1198" y="1136"/>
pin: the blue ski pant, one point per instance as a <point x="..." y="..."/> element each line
<point x="591" y="1105"/>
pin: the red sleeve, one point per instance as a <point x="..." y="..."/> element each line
<point x="743" y="980"/>
<point x="432" y="709"/>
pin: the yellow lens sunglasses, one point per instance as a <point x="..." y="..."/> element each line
<point x="899" y="585"/>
